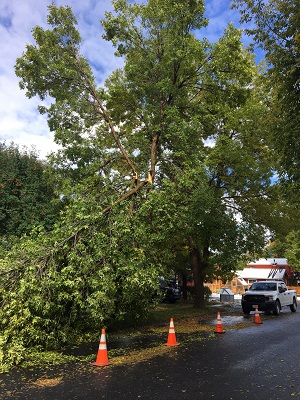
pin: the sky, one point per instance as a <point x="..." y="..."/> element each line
<point x="20" y="121"/>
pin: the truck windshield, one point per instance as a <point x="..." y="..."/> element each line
<point x="266" y="286"/>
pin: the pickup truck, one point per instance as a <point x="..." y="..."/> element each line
<point x="269" y="296"/>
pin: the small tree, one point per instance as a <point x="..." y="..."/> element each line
<point x="26" y="196"/>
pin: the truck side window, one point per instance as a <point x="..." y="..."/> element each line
<point x="282" y="288"/>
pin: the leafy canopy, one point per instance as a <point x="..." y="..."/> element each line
<point x="27" y="198"/>
<point x="276" y="30"/>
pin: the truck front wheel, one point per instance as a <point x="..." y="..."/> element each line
<point x="276" y="310"/>
<point x="293" y="307"/>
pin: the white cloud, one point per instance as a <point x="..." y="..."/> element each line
<point x="20" y="121"/>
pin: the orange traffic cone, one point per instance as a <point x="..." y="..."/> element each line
<point x="171" y="335"/>
<point x="219" y="327"/>
<point x="257" y="319"/>
<point x="102" y="355"/>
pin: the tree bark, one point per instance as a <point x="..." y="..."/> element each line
<point x="199" y="263"/>
<point x="184" y="286"/>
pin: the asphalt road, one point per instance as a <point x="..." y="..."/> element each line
<point x="259" y="362"/>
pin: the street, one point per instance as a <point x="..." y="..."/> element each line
<point x="260" y="361"/>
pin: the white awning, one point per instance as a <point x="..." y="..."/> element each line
<point x="269" y="261"/>
<point x="261" y="273"/>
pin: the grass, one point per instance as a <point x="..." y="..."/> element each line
<point x="178" y="310"/>
<point x="191" y="325"/>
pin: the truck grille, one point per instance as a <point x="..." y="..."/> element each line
<point x="254" y="298"/>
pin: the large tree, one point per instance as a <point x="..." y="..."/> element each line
<point x="182" y="92"/>
<point x="151" y="123"/>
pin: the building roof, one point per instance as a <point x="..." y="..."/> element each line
<point x="269" y="261"/>
<point x="261" y="273"/>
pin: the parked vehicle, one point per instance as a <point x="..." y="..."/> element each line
<point x="269" y="296"/>
<point x="170" y="291"/>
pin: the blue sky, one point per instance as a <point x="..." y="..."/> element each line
<point x="20" y="121"/>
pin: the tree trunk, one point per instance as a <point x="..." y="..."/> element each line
<point x="184" y="286"/>
<point x="199" y="262"/>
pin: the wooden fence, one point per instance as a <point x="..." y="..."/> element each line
<point x="237" y="288"/>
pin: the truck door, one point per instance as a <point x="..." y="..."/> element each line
<point x="283" y="295"/>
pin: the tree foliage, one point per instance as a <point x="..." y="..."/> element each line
<point x="192" y="91"/>
<point x="85" y="273"/>
<point x="26" y="196"/>
<point x="276" y="30"/>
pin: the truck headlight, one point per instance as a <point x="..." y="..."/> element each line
<point x="268" y="298"/>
